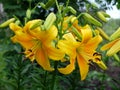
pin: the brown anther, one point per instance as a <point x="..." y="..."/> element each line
<point x="95" y="53"/>
<point x="30" y="50"/>
<point x="31" y="55"/>
<point x="90" y="60"/>
<point x="98" y="59"/>
<point x="99" y="54"/>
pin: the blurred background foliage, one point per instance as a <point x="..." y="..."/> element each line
<point x="19" y="74"/>
<point x="19" y="7"/>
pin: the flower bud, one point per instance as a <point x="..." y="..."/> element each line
<point x="6" y="23"/>
<point x="17" y="22"/>
<point x="36" y="24"/>
<point x="28" y="13"/>
<point x="49" y="3"/>
<point x="72" y="10"/>
<point x="94" y="5"/>
<point x="101" y="16"/>
<point x="114" y="49"/>
<point x="116" y="57"/>
<point x="61" y="7"/>
<point x="115" y="35"/>
<point x="73" y="19"/>
<point x="42" y="5"/>
<point x="105" y="14"/>
<point x="102" y="33"/>
<point x="90" y="19"/>
<point x="76" y="32"/>
<point x="49" y="21"/>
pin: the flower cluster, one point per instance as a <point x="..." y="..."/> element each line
<point x="44" y="41"/>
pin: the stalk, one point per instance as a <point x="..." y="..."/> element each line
<point x="54" y="76"/>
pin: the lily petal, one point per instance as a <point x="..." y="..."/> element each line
<point x="15" y="27"/>
<point x="48" y="35"/>
<point x="29" y="24"/>
<point x="34" y="32"/>
<point x="114" y="49"/>
<point x="93" y="43"/>
<point x="86" y="33"/>
<point x="83" y="66"/>
<point x="55" y="54"/>
<point x="70" y="37"/>
<point x="23" y="39"/>
<point x="109" y="45"/>
<point x="43" y="60"/>
<point x="69" y="68"/>
<point x="68" y="45"/>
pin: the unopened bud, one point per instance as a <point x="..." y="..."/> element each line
<point x="6" y="23"/>
<point x="17" y="22"/>
<point x="115" y="35"/>
<point x="73" y="19"/>
<point x="49" y="21"/>
<point x="94" y="5"/>
<point x="61" y="7"/>
<point x="105" y="14"/>
<point x="90" y="19"/>
<point x="28" y="13"/>
<point x="76" y="32"/>
<point x="116" y="57"/>
<point x="36" y="24"/>
<point x="101" y="16"/>
<point x="42" y="5"/>
<point x="69" y="19"/>
<point x="72" y="10"/>
<point x="102" y="33"/>
<point x="49" y="4"/>
<point x="114" y="49"/>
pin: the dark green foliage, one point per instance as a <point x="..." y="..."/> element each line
<point x="19" y="7"/>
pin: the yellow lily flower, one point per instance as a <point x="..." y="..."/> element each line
<point x="84" y="51"/>
<point x="113" y="46"/>
<point x="72" y="20"/>
<point x="38" y="43"/>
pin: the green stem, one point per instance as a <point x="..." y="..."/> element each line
<point x="54" y="76"/>
<point x="59" y="11"/>
<point x="30" y="3"/>
<point x="61" y="19"/>
<point x="36" y="6"/>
